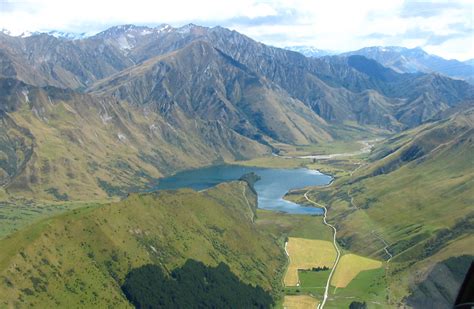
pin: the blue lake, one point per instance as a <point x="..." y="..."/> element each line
<point x="271" y="188"/>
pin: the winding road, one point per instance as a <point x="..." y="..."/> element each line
<point x="338" y="256"/>
<point x="366" y="149"/>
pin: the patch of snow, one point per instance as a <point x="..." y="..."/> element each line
<point x="25" y="93"/>
<point x="55" y="33"/>
<point x="105" y="118"/>
<point x="6" y="31"/>
<point x="27" y="34"/>
<point x="67" y="35"/>
<point x="39" y="114"/>
<point x="310" y="51"/>
<point x="124" y="44"/>
<point x="164" y="28"/>
<point x="35" y="111"/>
<point x="121" y="137"/>
<point x="185" y="29"/>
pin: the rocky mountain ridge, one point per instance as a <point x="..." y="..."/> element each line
<point x="413" y="60"/>
<point x="177" y="98"/>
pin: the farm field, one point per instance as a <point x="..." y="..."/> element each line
<point x="296" y="226"/>
<point x="311" y="282"/>
<point x="350" y="266"/>
<point x="299" y="302"/>
<point x="368" y="286"/>
<point x="306" y="254"/>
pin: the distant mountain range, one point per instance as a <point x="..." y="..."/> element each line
<point x="310" y="51"/>
<point x="175" y="98"/>
<point x="469" y="62"/>
<point x="406" y="60"/>
<point x="402" y="60"/>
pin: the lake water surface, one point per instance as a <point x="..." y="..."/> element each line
<point x="271" y="188"/>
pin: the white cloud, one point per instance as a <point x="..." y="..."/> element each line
<point x="450" y="49"/>
<point x="332" y="24"/>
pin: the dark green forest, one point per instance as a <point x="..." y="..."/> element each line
<point x="194" y="285"/>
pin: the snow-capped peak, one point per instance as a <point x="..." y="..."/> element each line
<point x="18" y="34"/>
<point x="55" y="33"/>
<point x="27" y="34"/>
<point x="6" y="31"/>
<point x="67" y="35"/>
<point x="310" y="51"/>
<point x="163" y="28"/>
<point x="186" y="28"/>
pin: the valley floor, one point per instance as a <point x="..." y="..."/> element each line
<point x="375" y="271"/>
<point x="315" y="268"/>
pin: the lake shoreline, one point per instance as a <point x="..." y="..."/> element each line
<point x="271" y="189"/>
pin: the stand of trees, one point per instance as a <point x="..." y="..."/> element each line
<point x="194" y="285"/>
<point x="319" y="268"/>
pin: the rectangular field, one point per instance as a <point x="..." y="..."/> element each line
<point x="299" y="302"/>
<point x="306" y="254"/>
<point x="350" y="266"/>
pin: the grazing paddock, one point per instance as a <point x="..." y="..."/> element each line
<point x="306" y="254"/>
<point x="299" y="302"/>
<point x="350" y="266"/>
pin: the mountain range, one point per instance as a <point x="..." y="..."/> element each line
<point x="310" y="51"/>
<point x="89" y="125"/>
<point x="412" y="60"/>
<point x="402" y="60"/>
<point x="176" y="98"/>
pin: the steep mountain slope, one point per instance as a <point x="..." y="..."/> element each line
<point x="80" y="259"/>
<point x="327" y="85"/>
<point x="308" y="79"/>
<point x="43" y="60"/>
<point x="158" y="100"/>
<point x="201" y="81"/>
<point x="406" y="60"/>
<point x="61" y="144"/>
<point x="416" y="195"/>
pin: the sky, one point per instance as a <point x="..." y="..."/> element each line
<point x="443" y="28"/>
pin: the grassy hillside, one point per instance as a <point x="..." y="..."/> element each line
<point x="415" y="196"/>
<point x="67" y="146"/>
<point x="81" y="258"/>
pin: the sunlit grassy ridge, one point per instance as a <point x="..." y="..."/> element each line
<point x="80" y="258"/>
<point x="17" y="214"/>
<point x="416" y="195"/>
